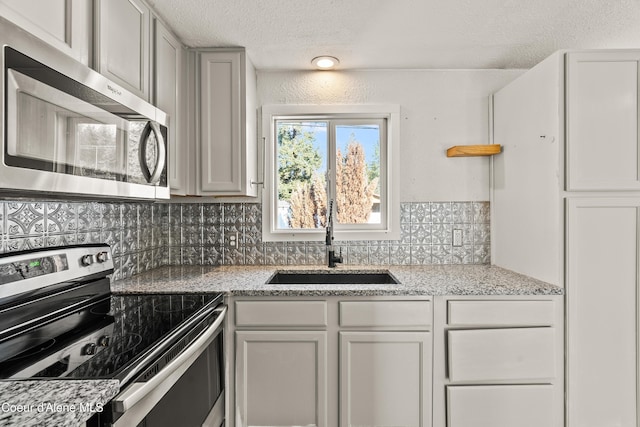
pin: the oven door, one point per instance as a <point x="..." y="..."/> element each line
<point x="188" y="391"/>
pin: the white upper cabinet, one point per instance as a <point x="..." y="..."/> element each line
<point x="228" y="139"/>
<point x="526" y="203"/>
<point x="65" y="24"/>
<point x="169" y="93"/>
<point x="122" y="43"/>
<point x="602" y="120"/>
<point x="567" y="126"/>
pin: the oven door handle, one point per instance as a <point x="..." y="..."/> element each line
<point x="137" y="391"/>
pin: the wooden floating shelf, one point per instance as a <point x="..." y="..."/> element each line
<point x="474" y="150"/>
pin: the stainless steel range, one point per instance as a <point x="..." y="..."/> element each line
<point x="59" y="320"/>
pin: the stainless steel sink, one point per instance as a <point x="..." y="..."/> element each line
<point x="297" y="277"/>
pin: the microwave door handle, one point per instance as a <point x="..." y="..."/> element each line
<point x="160" y="150"/>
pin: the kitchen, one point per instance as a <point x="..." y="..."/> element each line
<point x="442" y="101"/>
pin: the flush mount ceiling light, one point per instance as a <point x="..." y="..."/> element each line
<point x="325" y="62"/>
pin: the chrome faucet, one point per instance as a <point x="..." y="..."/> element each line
<point x="331" y="254"/>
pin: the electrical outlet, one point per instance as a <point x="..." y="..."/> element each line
<point x="233" y="240"/>
<point x="457" y="237"/>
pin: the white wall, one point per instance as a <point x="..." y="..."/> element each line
<point x="438" y="109"/>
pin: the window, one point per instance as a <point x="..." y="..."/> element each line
<point x="322" y="157"/>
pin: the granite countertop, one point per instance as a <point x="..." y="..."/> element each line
<point x="53" y="402"/>
<point x="58" y="402"/>
<point x="414" y="280"/>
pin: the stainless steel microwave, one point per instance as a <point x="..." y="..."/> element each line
<point x="67" y="130"/>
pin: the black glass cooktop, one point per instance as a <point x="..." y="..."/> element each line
<point x="103" y="339"/>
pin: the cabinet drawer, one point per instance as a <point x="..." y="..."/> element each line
<point x="385" y="314"/>
<point x="281" y="313"/>
<point x="502" y="354"/>
<point x="500" y="313"/>
<point x="500" y="406"/>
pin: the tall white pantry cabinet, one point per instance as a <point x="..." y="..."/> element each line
<point x="566" y="210"/>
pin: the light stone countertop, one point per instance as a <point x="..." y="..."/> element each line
<point x="55" y="403"/>
<point x="250" y="281"/>
<point x="414" y="280"/>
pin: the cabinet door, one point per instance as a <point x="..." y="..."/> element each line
<point x="602" y="312"/>
<point x="500" y="406"/>
<point x="220" y="113"/>
<point x="281" y="378"/>
<point x="122" y="43"/>
<point x="168" y="90"/>
<point x="385" y="379"/>
<point x="227" y="124"/>
<point x="602" y="120"/>
<point x="65" y="24"/>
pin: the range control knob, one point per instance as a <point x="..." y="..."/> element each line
<point x="89" y="349"/>
<point x="104" y="341"/>
<point x="102" y="256"/>
<point x="86" y="260"/>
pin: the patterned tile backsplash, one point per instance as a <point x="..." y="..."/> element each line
<point x="147" y="235"/>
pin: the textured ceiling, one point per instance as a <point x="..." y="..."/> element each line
<point x="384" y="34"/>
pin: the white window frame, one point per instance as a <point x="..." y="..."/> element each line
<point x="389" y="229"/>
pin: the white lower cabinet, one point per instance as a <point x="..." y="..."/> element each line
<point x="466" y="361"/>
<point x="385" y="378"/>
<point x="500" y="406"/>
<point x="498" y="361"/>
<point x="283" y="378"/>
<point x="331" y="361"/>
<point x="603" y="260"/>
